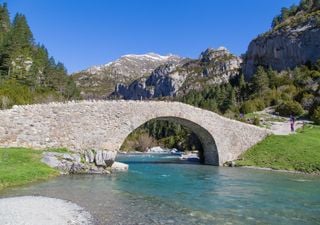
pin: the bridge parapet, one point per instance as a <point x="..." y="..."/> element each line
<point x="105" y="125"/>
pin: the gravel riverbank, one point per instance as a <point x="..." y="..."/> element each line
<point x="32" y="210"/>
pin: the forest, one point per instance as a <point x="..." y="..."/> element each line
<point x="28" y="74"/>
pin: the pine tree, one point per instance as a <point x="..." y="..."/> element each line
<point x="18" y="50"/>
<point x="4" y="29"/>
<point x="21" y="35"/>
<point x="4" y="22"/>
<point x="273" y="78"/>
<point x="260" y="81"/>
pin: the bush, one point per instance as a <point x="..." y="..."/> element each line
<point x="307" y="101"/>
<point x="253" y="105"/>
<point x="316" y="115"/>
<point x="256" y="121"/>
<point x="259" y="103"/>
<point x="248" y="107"/>
<point x="13" y="93"/>
<point x="288" y="108"/>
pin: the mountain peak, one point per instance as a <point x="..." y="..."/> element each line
<point x="211" y="53"/>
<point x="151" y="56"/>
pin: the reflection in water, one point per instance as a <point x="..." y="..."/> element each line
<point x="159" y="190"/>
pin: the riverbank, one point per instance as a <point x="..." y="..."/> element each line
<point x="37" y="210"/>
<point x="20" y="166"/>
<point x="296" y="152"/>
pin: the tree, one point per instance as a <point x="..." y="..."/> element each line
<point x="17" y="52"/>
<point x="316" y="115"/>
<point x="260" y="81"/>
<point x="273" y="78"/>
<point x="21" y="35"/>
<point x="4" y="22"/>
<point x="316" y="5"/>
<point x="4" y="29"/>
<point x="285" y="13"/>
<point x="288" y="108"/>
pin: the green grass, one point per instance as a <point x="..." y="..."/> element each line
<point x="59" y="150"/>
<point x="299" y="152"/>
<point x="20" y="166"/>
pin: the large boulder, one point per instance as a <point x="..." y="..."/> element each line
<point x="89" y="156"/>
<point x="89" y="162"/>
<point x="105" y="158"/>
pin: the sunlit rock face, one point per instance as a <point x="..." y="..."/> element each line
<point x="214" y="66"/>
<point x="284" y="48"/>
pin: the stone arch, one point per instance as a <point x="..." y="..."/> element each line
<point x="105" y="125"/>
<point x="210" y="151"/>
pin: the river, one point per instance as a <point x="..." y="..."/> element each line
<point x="159" y="189"/>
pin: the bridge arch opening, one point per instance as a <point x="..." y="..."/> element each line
<point x="208" y="152"/>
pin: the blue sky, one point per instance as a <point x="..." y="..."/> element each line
<point x="82" y="33"/>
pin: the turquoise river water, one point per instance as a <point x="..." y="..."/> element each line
<point x="159" y="189"/>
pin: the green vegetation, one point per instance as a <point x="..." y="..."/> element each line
<point x="292" y="92"/>
<point x="316" y="115"/>
<point x="290" y="107"/>
<point x="58" y="150"/>
<point x="20" y="166"/>
<point x="300" y="152"/>
<point x="295" y="13"/>
<point x="27" y="73"/>
<point x="163" y="133"/>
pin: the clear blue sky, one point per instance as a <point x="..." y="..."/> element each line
<point x="82" y="33"/>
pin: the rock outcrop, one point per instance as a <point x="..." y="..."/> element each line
<point x="88" y="162"/>
<point x="163" y="81"/>
<point x="294" y="42"/>
<point x="99" y="81"/>
<point x="214" y="66"/>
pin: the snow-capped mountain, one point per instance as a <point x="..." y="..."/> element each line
<point x="99" y="81"/>
<point x="214" y="66"/>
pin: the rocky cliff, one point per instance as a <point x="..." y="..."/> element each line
<point x="214" y="66"/>
<point x="99" y="81"/>
<point x="292" y="42"/>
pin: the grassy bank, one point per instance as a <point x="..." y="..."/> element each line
<point x="21" y="166"/>
<point x="300" y="152"/>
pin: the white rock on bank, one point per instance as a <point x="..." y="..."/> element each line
<point x="32" y="210"/>
<point x="118" y="166"/>
<point x="157" y="149"/>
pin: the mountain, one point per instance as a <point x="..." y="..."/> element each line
<point x="293" y="40"/>
<point x="99" y="81"/>
<point x="214" y="66"/>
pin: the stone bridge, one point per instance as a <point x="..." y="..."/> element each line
<point x="106" y="124"/>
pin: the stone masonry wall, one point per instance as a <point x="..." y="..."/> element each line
<point x="104" y="125"/>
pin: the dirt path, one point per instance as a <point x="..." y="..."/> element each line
<point x="283" y="128"/>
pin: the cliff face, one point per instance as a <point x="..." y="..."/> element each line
<point x="163" y="81"/>
<point x="294" y="42"/>
<point x="99" y="81"/>
<point x="214" y="66"/>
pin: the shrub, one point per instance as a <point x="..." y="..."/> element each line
<point x="248" y="107"/>
<point x="288" y="108"/>
<point x="259" y="103"/>
<point x="253" y="105"/>
<point x="11" y="93"/>
<point x="316" y="115"/>
<point x="307" y="101"/>
<point x="256" y="121"/>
